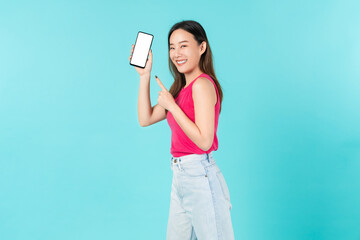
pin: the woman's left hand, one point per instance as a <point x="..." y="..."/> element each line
<point x="165" y="98"/>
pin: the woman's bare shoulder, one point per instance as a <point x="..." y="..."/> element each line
<point x="204" y="87"/>
<point x="203" y="83"/>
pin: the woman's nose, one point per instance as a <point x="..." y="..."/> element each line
<point x="177" y="52"/>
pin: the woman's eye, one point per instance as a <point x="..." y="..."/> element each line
<point x="180" y="46"/>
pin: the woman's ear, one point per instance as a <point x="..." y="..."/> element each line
<point x="202" y="47"/>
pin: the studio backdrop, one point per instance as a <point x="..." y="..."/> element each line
<point x="76" y="164"/>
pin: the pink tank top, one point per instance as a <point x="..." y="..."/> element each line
<point x="181" y="144"/>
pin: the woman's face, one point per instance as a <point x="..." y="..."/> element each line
<point x="183" y="47"/>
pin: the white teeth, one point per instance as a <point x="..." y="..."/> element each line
<point x="181" y="62"/>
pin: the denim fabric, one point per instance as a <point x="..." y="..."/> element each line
<point x="200" y="200"/>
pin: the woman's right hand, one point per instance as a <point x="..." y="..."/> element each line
<point x="147" y="69"/>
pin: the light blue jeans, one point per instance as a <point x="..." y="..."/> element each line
<point x="200" y="200"/>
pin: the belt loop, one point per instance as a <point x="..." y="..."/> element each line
<point x="178" y="163"/>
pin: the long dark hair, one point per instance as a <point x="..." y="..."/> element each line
<point x="206" y="62"/>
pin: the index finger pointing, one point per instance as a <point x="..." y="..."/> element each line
<point x="160" y="84"/>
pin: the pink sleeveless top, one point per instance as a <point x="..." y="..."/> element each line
<point x="181" y="144"/>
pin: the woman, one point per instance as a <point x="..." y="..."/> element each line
<point x="200" y="201"/>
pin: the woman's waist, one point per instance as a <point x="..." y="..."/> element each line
<point x="193" y="158"/>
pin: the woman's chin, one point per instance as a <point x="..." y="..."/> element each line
<point x="182" y="70"/>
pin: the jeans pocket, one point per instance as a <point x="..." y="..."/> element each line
<point x="193" y="170"/>
<point x="224" y="187"/>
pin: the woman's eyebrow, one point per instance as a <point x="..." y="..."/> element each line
<point x="179" y="42"/>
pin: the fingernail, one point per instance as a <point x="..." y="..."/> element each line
<point x="156" y="76"/>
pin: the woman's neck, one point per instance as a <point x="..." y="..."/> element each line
<point x="191" y="76"/>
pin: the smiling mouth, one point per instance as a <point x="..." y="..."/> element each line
<point x="181" y="62"/>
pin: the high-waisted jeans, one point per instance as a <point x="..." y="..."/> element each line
<point x="200" y="200"/>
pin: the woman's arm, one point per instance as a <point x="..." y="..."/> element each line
<point x="148" y="115"/>
<point x="144" y="104"/>
<point x="202" y="131"/>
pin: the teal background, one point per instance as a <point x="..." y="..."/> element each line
<point x="75" y="163"/>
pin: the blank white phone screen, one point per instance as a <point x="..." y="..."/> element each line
<point x="141" y="49"/>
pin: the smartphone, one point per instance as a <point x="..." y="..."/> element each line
<point x="141" y="49"/>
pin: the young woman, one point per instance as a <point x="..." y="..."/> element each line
<point x="200" y="201"/>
